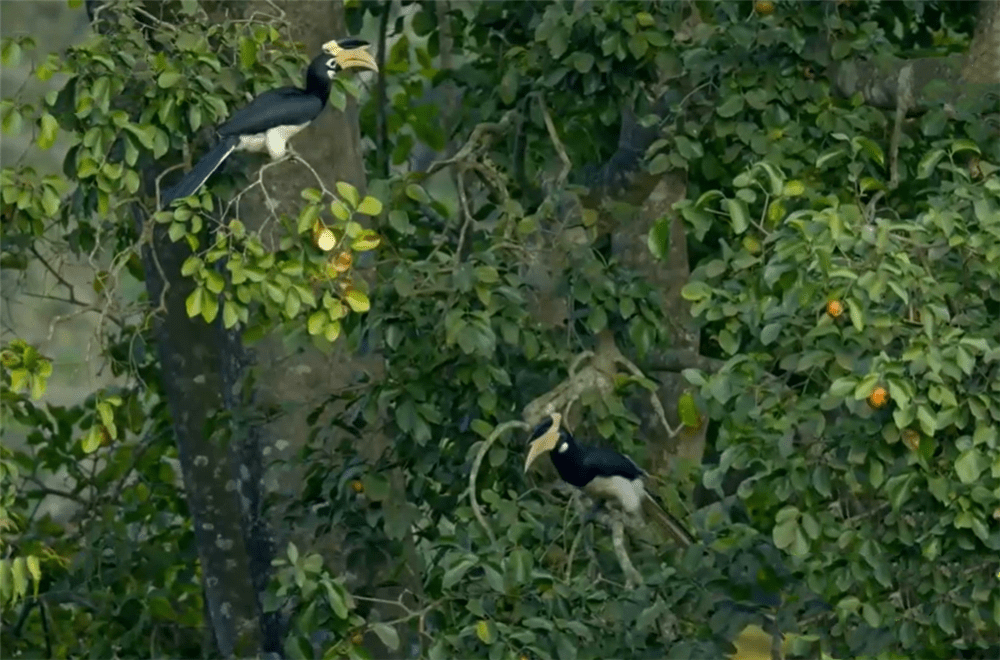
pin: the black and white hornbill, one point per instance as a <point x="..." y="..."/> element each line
<point x="271" y="119"/>
<point x="602" y="473"/>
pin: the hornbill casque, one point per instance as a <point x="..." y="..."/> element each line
<point x="271" y="119"/>
<point x="602" y="473"/>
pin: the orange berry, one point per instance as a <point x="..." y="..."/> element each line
<point x="834" y="308"/>
<point x="878" y="398"/>
<point x="357" y="486"/>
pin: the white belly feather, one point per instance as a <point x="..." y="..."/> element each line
<point x="274" y="142"/>
<point x="629" y="493"/>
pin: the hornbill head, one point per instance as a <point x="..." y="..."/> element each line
<point x="545" y="437"/>
<point x="349" y="54"/>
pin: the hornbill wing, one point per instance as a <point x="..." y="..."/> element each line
<point x="607" y="462"/>
<point x="668" y="523"/>
<point x="286" y="106"/>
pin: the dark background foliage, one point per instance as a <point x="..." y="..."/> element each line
<point x="853" y="528"/>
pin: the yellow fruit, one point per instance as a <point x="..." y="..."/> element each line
<point x="764" y="7"/>
<point x="323" y="237"/>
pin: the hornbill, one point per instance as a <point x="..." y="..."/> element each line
<point x="601" y="473"/>
<point x="271" y="119"/>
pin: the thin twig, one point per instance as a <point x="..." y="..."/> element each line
<point x="464" y="204"/>
<point x="556" y="143"/>
<point x="55" y="273"/>
<point x="653" y="399"/>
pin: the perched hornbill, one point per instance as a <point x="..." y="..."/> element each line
<point x="275" y="116"/>
<point x="601" y="473"/>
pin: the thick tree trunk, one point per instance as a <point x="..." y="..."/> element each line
<point x="200" y="368"/>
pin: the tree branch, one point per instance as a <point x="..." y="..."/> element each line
<point x="475" y="471"/>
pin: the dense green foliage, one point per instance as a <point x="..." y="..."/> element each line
<point x="868" y="531"/>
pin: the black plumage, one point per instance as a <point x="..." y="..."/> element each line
<point x="602" y="473"/>
<point x="272" y="118"/>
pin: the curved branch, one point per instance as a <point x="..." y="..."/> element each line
<point x="475" y="471"/>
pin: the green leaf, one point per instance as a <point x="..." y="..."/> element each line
<point x="833" y="154"/>
<point x="376" y="487"/>
<point x="370" y="206"/>
<point x="638" y="45"/>
<point x="11" y="122"/>
<point x="230" y="315"/>
<point x="349" y="193"/>
<point x="659" y="164"/>
<point x="687" y="409"/>
<point x="336" y="599"/>
<point x="732" y="106"/>
<point x="870" y="149"/>
<point x="168" y="79"/>
<point x="92" y="441"/>
<point x="582" y="61"/>
<point x="248" y="52"/>
<point x="177" y="231"/>
<point x="417" y="194"/>
<point x="842" y="386"/>
<point x="770" y="332"/>
<point x="106" y="413"/>
<point x="50" y="201"/>
<point x="454" y="574"/>
<point x="928" y="422"/>
<point x="739" y="214"/>
<point x="292" y="304"/>
<point x="48" y="127"/>
<point x="317" y="321"/>
<point x="209" y="307"/>
<point x="340" y="210"/>
<point x="486" y="631"/>
<point x="387" y="634"/>
<point x="985" y="435"/>
<point x="784" y="532"/>
<point x="194" y="302"/>
<point x="964" y="145"/>
<point x="658" y="240"/>
<point x="969" y="465"/>
<point x="34" y="566"/>
<point x="10" y="53"/>
<point x="899" y="488"/>
<point x="487" y="274"/>
<point x="854" y="311"/>
<point x="927" y="164"/>
<point x="358" y="301"/>
<point x="694" y="291"/>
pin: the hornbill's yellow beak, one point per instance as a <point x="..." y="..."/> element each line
<point x="546" y="440"/>
<point x="351" y="54"/>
